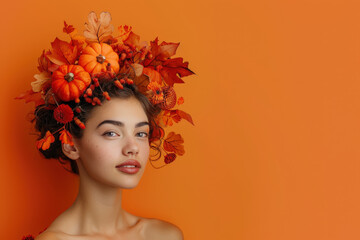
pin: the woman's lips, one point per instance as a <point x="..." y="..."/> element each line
<point x="129" y="166"/>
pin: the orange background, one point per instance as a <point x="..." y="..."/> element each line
<point x="276" y="102"/>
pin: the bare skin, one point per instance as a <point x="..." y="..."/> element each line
<point x="97" y="214"/>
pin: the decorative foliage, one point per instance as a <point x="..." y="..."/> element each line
<point x="173" y="143"/>
<point x="45" y="142"/>
<point x="71" y="70"/>
<point x="98" y="28"/>
<point x="65" y="137"/>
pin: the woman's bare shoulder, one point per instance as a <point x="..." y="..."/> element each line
<point x="48" y="235"/>
<point x="161" y="230"/>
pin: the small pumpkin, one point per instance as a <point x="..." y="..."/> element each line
<point x="96" y="56"/>
<point x="69" y="82"/>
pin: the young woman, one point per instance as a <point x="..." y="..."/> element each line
<point x="102" y="103"/>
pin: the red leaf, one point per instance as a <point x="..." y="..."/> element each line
<point x="169" y="158"/>
<point x="185" y="116"/>
<point x="31" y="96"/>
<point x="68" y="28"/>
<point x="164" y="50"/>
<point x="173" y="143"/>
<point x="176" y="115"/>
<point x="62" y="53"/>
<point x="173" y="69"/>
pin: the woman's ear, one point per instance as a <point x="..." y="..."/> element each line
<point x="71" y="152"/>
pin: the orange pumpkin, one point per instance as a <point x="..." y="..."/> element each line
<point x="69" y="82"/>
<point x="96" y="56"/>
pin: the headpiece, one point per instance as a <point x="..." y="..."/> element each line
<point x="70" y="72"/>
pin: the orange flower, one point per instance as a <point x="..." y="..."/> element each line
<point x="46" y="141"/>
<point x="158" y="94"/>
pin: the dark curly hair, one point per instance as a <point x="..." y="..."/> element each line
<point x="44" y="120"/>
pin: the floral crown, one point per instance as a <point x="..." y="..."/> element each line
<point x="71" y="71"/>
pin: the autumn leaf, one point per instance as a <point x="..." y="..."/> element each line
<point x="44" y="62"/>
<point x="167" y="120"/>
<point x="176" y="116"/>
<point x="185" y="116"/>
<point x="133" y="39"/>
<point x="65" y="137"/>
<point x="41" y="79"/>
<point x="173" y="69"/>
<point x="62" y="53"/>
<point x="156" y="134"/>
<point x="68" y="28"/>
<point x="180" y="100"/>
<point x="164" y="50"/>
<point x="173" y="143"/>
<point x="153" y="75"/>
<point x="169" y="158"/>
<point x="31" y="96"/>
<point x="138" y="68"/>
<point x="46" y="141"/>
<point x="124" y="30"/>
<point x="141" y="83"/>
<point x="97" y="29"/>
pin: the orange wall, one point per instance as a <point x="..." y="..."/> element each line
<point x="276" y="102"/>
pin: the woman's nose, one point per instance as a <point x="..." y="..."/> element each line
<point x="131" y="147"/>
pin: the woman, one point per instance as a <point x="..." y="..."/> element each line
<point x="102" y="103"/>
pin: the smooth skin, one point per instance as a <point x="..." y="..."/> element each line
<point x="115" y="132"/>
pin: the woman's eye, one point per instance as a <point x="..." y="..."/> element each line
<point x="110" y="134"/>
<point x="143" y="134"/>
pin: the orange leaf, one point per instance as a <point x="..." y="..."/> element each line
<point x="124" y="30"/>
<point x="65" y="137"/>
<point x="62" y="53"/>
<point x="167" y="120"/>
<point x="180" y="100"/>
<point x="153" y="75"/>
<point x="133" y="39"/>
<point x="46" y="141"/>
<point x="44" y="62"/>
<point x="31" y="96"/>
<point x="173" y="143"/>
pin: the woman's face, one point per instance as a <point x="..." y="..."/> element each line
<point x="115" y="133"/>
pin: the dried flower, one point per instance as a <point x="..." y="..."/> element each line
<point x="63" y="114"/>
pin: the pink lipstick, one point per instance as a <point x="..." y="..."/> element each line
<point x="129" y="166"/>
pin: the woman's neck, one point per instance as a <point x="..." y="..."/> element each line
<point x="98" y="209"/>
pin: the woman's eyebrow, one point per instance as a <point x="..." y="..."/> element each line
<point x="121" y="124"/>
